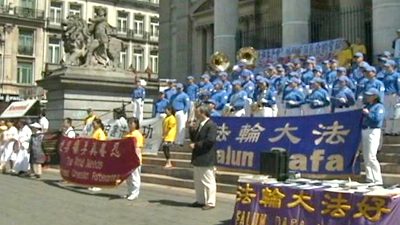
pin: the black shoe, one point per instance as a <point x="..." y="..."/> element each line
<point x="207" y="207"/>
<point x="196" y="205"/>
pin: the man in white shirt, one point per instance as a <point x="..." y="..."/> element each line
<point x="68" y="130"/>
<point x="44" y="122"/>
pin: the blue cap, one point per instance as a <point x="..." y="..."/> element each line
<point x="317" y="68"/>
<point x="241" y="64"/>
<point x="364" y="65"/>
<point x="370" y="69"/>
<point x="358" y="55"/>
<point x="236" y="82"/>
<point x="270" y="67"/>
<point x="296" y="61"/>
<point x="246" y="73"/>
<point x="312" y="58"/>
<point x="212" y="101"/>
<point x="333" y="61"/>
<point x="295" y="80"/>
<point x="310" y="61"/>
<point x="390" y="63"/>
<point x="262" y="81"/>
<point x="179" y="86"/>
<point x="372" y="91"/>
<point x="341" y="70"/>
<point x="289" y="64"/>
<point x="386" y="53"/>
<point x="223" y="73"/>
<point x="281" y="69"/>
<point x="217" y="82"/>
<point x="382" y="59"/>
<point x="294" y="74"/>
<point x="325" y="62"/>
<point x="278" y="66"/>
<point x="259" y="77"/>
<point x="317" y="80"/>
<point x="190" y="78"/>
<point x="205" y="76"/>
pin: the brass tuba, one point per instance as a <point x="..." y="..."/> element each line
<point x="219" y="62"/>
<point x="247" y="55"/>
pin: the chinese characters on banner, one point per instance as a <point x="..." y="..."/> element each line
<point x="274" y="204"/>
<point x="323" y="50"/>
<point x="97" y="163"/>
<point x="319" y="144"/>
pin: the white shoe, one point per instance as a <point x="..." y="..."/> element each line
<point x="95" y="189"/>
<point x="131" y="197"/>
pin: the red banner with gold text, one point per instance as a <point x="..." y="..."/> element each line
<point x="97" y="163"/>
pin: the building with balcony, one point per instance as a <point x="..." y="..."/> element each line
<point x="30" y="38"/>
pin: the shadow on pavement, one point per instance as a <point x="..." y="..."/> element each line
<point x="224" y="222"/>
<point x="80" y="190"/>
<point x="170" y="203"/>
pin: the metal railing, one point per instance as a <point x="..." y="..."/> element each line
<point x="28" y="13"/>
<point x="132" y="35"/>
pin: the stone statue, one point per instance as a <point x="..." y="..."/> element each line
<point x="94" y="45"/>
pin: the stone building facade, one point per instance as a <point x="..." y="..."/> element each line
<point x="192" y="30"/>
<point x="30" y="38"/>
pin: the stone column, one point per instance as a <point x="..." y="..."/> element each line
<point x="295" y="22"/>
<point x="226" y="16"/>
<point x="197" y="50"/>
<point x="209" y="41"/>
<point x="385" y="22"/>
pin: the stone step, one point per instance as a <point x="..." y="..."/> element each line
<point x="176" y="155"/>
<point x="391" y="139"/>
<point x="386" y="167"/>
<point x="389" y="157"/>
<point x="184" y="183"/>
<point x="182" y="163"/>
<point x="224" y="177"/>
<point x="388" y="178"/>
<point x="390" y="148"/>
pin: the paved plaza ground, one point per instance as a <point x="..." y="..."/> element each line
<point x="51" y="202"/>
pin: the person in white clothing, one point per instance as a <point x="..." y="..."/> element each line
<point x="68" y="130"/>
<point x="21" y="146"/>
<point x="9" y="138"/>
<point x="44" y="122"/>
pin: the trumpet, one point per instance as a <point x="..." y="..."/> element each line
<point x="227" y="110"/>
<point x="256" y="106"/>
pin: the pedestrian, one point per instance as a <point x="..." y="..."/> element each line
<point x="87" y="122"/>
<point x="138" y="95"/>
<point x="21" y="147"/>
<point x="373" y="116"/>
<point x="10" y="136"/>
<point x="37" y="156"/>
<point x="294" y="98"/>
<point x="265" y="101"/>
<point x="318" y="100"/>
<point x="345" y="56"/>
<point x="44" y="122"/>
<point x="391" y="99"/>
<point x="358" y="46"/>
<point x="68" y="129"/>
<point x="181" y="103"/>
<point x="133" y="181"/>
<point x="100" y="135"/>
<point x="237" y="101"/>
<point x="344" y="97"/>
<point x="212" y="104"/>
<point x="203" y="139"/>
<point x="160" y="105"/>
<point x="396" y="48"/>
<point x="169" y="134"/>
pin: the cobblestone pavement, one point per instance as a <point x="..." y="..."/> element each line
<point x="49" y="201"/>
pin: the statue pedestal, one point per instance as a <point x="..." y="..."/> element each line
<point x="72" y="90"/>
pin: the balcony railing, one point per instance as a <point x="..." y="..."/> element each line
<point x="27" y="13"/>
<point x="25" y="50"/>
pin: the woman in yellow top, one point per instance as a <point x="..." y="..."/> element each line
<point x="169" y="134"/>
<point x="98" y="130"/>
<point x="133" y="180"/>
<point x="345" y="56"/>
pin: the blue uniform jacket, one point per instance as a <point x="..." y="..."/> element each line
<point x="180" y="101"/>
<point x="160" y="105"/>
<point x="192" y="90"/>
<point x="295" y="95"/>
<point x="221" y="98"/>
<point x="228" y="87"/>
<point x="138" y="92"/>
<point x="169" y="92"/>
<point x="266" y="98"/>
<point x="392" y="83"/>
<point x="346" y="94"/>
<point x="237" y="99"/>
<point x="367" y="84"/>
<point x="318" y="98"/>
<point x="307" y="76"/>
<point x="248" y="87"/>
<point x="375" y="117"/>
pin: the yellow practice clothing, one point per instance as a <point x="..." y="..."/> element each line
<point x="138" y="136"/>
<point x="169" y="128"/>
<point x="359" y="48"/>
<point x="344" y="57"/>
<point x="99" y="135"/>
<point x="89" y="119"/>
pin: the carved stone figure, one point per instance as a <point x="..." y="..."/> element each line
<point x="93" y="45"/>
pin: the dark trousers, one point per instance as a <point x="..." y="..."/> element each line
<point x="165" y="148"/>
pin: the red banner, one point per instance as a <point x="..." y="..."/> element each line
<point x="97" y="163"/>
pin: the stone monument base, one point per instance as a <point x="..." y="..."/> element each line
<point x="72" y="90"/>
